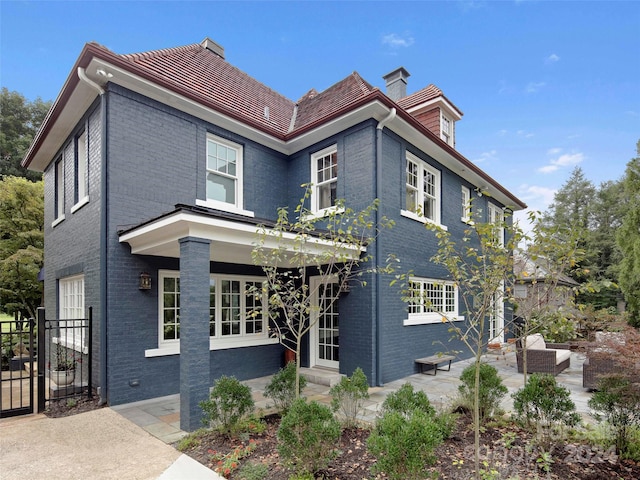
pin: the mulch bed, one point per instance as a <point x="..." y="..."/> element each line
<point x="570" y="461"/>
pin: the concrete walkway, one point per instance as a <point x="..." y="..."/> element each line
<point x="133" y="441"/>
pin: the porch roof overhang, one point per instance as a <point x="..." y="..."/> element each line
<point x="233" y="237"/>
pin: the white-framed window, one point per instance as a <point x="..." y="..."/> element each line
<point x="58" y="214"/>
<point x="446" y="129"/>
<point x="465" y="205"/>
<point x="237" y="312"/>
<point x="422" y="200"/>
<point x="495" y="216"/>
<point x="432" y="301"/>
<point x="224" y="177"/>
<point x="324" y="177"/>
<point x="81" y="195"/>
<point x="71" y="312"/>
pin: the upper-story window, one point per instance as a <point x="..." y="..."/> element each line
<point x="324" y="176"/>
<point x="422" y="190"/>
<point x="446" y="129"/>
<point x="81" y="170"/>
<point x="224" y="172"/>
<point x="495" y="215"/>
<point x="58" y="213"/>
<point x="466" y="204"/>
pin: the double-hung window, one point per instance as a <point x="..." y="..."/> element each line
<point x="81" y="195"/>
<point x="237" y="311"/>
<point x="72" y="333"/>
<point x="432" y="301"/>
<point x="446" y="129"/>
<point x="58" y="213"/>
<point x="422" y="199"/>
<point x="324" y="177"/>
<point x="466" y="205"/>
<point x="496" y="217"/>
<point x="224" y="177"/>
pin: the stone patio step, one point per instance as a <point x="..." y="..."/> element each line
<point x="320" y="376"/>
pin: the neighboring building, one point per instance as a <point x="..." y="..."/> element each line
<point x="164" y="162"/>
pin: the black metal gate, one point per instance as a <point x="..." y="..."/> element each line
<point x="65" y="363"/>
<point x="18" y="355"/>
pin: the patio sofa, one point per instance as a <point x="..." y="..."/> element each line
<point x="542" y="357"/>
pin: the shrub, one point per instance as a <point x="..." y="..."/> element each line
<point x="555" y="327"/>
<point x="491" y="389"/>
<point x="253" y="471"/>
<point x="405" y="401"/>
<point x="307" y="436"/>
<point x="349" y="395"/>
<point x="282" y="388"/>
<point x="618" y="401"/>
<point x="547" y="405"/>
<point x="404" y="445"/>
<point x="228" y="403"/>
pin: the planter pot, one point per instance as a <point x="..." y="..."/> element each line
<point x="289" y="356"/>
<point x="62" y="377"/>
<point x="494" y="346"/>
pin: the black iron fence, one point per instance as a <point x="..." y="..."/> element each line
<point x="65" y="366"/>
<point x="17" y="353"/>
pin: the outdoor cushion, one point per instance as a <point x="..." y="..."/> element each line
<point x="561" y="355"/>
<point x="535" y="342"/>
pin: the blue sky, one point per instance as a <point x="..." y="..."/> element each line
<point x="544" y="86"/>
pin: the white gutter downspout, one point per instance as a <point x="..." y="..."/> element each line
<point x="381" y="124"/>
<point x="103" y="236"/>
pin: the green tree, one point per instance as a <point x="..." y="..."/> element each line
<point x="19" y="122"/>
<point x="628" y="239"/>
<point x="334" y="247"/>
<point x="21" y="244"/>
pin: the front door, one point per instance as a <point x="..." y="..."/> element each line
<point x="325" y="346"/>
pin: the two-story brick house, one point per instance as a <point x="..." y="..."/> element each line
<point x="159" y="166"/>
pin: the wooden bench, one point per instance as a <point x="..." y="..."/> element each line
<point x="434" y="361"/>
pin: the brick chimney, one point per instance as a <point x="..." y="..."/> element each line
<point x="396" y="83"/>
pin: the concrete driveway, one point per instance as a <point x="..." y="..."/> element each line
<point x="100" y="445"/>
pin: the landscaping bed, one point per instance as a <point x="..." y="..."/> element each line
<point x="504" y="447"/>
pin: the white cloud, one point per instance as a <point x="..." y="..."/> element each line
<point x="396" y="41"/>
<point x="533" y="87"/>
<point x="522" y="133"/>
<point x="538" y="197"/>
<point x="503" y="132"/>
<point x="486" y="156"/>
<point x="564" y="160"/>
<point x="553" y="58"/>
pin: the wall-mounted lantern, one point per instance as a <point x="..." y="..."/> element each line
<point x="145" y="281"/>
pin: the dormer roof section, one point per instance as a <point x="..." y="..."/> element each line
<point x="428" y="98"/>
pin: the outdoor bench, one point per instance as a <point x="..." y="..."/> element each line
<point x="433" y="361"/>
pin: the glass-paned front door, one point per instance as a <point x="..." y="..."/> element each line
<point x="327" y="328"/>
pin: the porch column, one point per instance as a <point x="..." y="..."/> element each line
<point x="194" y="330"/>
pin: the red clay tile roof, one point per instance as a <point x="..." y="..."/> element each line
<point x="197" y="69"/>
<point x="314" y="106"/>
<point x="421" y="96"/>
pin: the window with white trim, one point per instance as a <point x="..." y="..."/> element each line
<point x="422" y="190"/>
<point x="495" y="216"/>
<point x="446" y="129"/>
<point x="81" y="168"/>
<point x="466" y="204"/>
<point x="431" y="300"/>
<point x="237" y="308"/>
<point x="59" y="190"/>
<point x="71" y="309"/>
<point x="224" y="172"/>
<point x="324" y="177"/>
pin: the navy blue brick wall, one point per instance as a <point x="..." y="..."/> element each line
<point x="72" y="246"/>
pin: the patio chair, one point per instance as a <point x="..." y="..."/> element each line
<point x="542" y="357"/>
<point x="600" y="359"/>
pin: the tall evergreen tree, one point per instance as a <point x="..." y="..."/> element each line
<point x="629" y="240"/>
<point x="19" y="122"/>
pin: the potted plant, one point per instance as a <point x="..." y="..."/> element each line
<point x="63" y="370"/>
